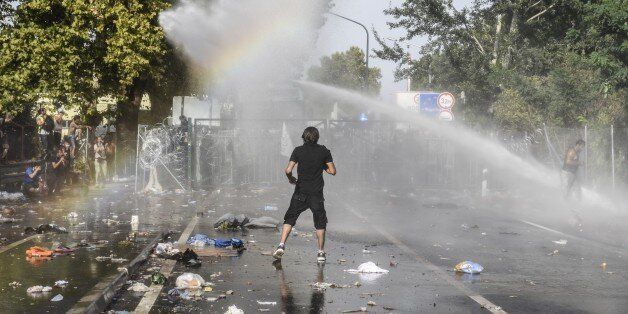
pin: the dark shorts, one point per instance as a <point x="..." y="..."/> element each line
<point x="301" y="202"/>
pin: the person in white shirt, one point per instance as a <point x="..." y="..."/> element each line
<point x="100" y="162"/>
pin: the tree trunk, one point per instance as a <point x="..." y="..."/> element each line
<point x="498" y="32"/>
<point x="513" y="31"/>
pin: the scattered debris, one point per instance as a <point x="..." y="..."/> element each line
<point x="139" y="287"/>
<point x="234" y="310"/>
<point x="230" y="221"/>
<point x="371" y="303"/>
<point x="189" y="281"/>
<point x="229" y="292"/>
<point x="553" y="253"/>
<point x="158" y="278"/>
<point x="271" y="207"/>
<point x="368" y="268"/>
<point x="61" y="283"/>
<point x="72" y="215"/>
<point x="561" y="242"/>
<point x="166" y="249"/>
<point x="57" y="298"/>
<point x="45" y="228"/>
<point x="14" y="284"/>
<point x="365" y="251"/>
<point x="200" y="240"/>
<point x="322" y="286"/>
<point x="263" y="222"/>
<point x="469" y="267"/>
<point x="360" y="310"/>
<point x="36" y="251"/>
<point x="37" y="289"/>
<point x="393" y="263"/>
<point x="273" y="303"/>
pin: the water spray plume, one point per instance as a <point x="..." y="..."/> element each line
<point x="496" y="155"/>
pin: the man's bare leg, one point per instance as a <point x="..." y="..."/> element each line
<point x="320" y="239"/>
<point x="285" y="232"/>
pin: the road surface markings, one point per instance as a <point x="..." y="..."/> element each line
<point x="598" y="244"/>
<point x="16" y="243"/>
<point x="439" y="272"/>
<point x="149" y="298"/>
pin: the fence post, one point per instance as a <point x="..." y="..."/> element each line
<point x="137" y="155"/>
<point x="586" y="154"/>
<point x="484" y="183"/>
<point x="613" y="156"/>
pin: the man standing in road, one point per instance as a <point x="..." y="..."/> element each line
<point x="312" y="159"/>
<point x="569" y="173"/>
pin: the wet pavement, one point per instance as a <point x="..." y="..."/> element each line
<point x="417" y="235"/>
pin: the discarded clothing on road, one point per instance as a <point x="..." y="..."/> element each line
<point x="230" y="221"/>
<point x="469" y="267"/>
<point x="189" y="257"/>
<point x="36" y="251"/>
<point x="233" y="242"/>
<point x="45" y="228"/>
<point x="263" y="222"/>
<point x="200" y="240"/>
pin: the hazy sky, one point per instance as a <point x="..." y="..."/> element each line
<point x="339" y="35"/>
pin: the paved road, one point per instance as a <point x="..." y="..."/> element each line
<point x="425" y="232"/>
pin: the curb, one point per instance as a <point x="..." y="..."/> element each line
<point x="96" y="300"/>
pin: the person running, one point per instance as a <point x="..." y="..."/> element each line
<point x="312" y="159"/>
<point x="569" y="172"/>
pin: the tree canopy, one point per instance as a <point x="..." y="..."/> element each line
<point x="520" y="62"/>
<point x="73" y="51"/>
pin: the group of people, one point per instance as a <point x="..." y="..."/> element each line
<point x="58" y="152"/>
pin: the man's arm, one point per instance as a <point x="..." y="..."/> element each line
<point x="331" y="168"/>
<point x="288" y="172"/>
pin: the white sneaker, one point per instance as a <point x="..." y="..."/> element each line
<point x="278" y="253"/>
<point x="321" y="258"/>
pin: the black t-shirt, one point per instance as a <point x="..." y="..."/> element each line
<point x="311" y="160"/>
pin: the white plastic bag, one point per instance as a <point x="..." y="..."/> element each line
<point x="189" y="281"/>
<point x="368" y="268"/>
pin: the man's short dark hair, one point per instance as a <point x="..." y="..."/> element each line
<point x="310" y="135"/>
<point x="580" y="142"/>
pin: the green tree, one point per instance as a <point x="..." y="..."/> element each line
<point x="346" y="69"/>
<point x="74" y="51"/>
<point x="555" y="57"/>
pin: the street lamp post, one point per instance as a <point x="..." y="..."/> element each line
<point x="366" y="71"/>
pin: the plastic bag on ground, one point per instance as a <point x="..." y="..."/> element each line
<point x="138" y="287"/>
<point x="263" y="222"/>
<point x="57" y="298"/>
<point x="166" y="249"/>
<point x="189" y="281"/>
<point x="234" y="310"/>
<point x="469" y="267"/>
<point x="368" y="268"/>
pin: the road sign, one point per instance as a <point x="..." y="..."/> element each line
<point x="446" y="115"/>
<point x="446" y="101"/>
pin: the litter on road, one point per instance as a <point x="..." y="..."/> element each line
<point x="368" y="268"/>
<point x="138" y="287"/>
<point x="57" y="298"/>
<point x="469" y="267"/>
<point x="189" y="281"/>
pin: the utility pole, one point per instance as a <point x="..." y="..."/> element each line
<point x="366" y="71"/>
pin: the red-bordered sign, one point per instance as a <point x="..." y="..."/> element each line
<point x="446" y="100"/>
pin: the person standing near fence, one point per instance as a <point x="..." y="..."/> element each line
<point x="569" y="173"/>
<point x="312" y="159"/>
<point x="58" y="129"/>
<point x="46" y="126"/>
<point x="100" y="162"/>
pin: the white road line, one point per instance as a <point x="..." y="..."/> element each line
<point x="607" y="247"/>
<point x="16" y="243"/>
<point x="149" y="298"/>
<point x="439" y="272"/>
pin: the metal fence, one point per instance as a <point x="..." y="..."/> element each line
<point x="387" y="154"/>
<point x="377" y="153"/>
